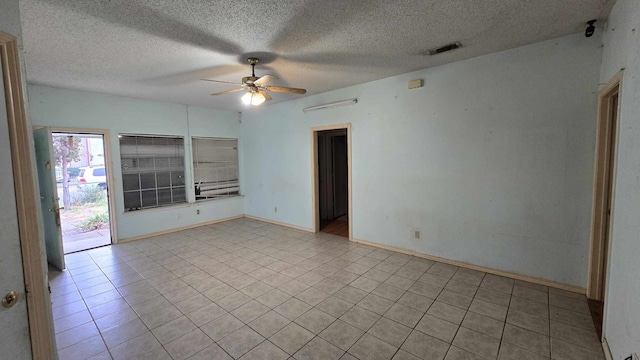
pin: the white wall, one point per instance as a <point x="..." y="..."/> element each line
<point x="622" y="50"/>
<point x="122" y="115"/>
<point x="492" y="160"/>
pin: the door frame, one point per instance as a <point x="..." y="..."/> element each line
<point x="603" y="172"/>
<point x="34" y="267"/>
<point x="314" y="175"/>
<point x="109" y="165"/>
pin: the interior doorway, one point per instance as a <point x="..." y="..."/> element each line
<point x="21" y="269"/>
<point x="603" y="197"/>
<point x="332" y="166"/>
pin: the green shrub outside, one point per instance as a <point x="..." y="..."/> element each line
<point x="90" y="195"/>
<point x="95" y="222"/>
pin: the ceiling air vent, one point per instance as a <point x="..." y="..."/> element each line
<point x="445" y="48"/>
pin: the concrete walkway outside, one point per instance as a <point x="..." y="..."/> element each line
<point x="81" y="241"/>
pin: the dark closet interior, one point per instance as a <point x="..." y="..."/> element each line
<point x="333" y="186"/>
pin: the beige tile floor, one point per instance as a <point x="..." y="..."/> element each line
<point x="251" y="290"/>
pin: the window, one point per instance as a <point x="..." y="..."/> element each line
<point x="152" y="171"/>
<point x="99" y="172"/>
<point x="215" y="168"/>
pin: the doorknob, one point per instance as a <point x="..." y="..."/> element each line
<point x="10" y="299"/>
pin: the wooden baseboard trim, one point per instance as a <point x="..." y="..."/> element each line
<point x="164" y="232"/>
<point x="489" y="270"/>
<point x="278" y="223"/>
<point x="606" y="350"/>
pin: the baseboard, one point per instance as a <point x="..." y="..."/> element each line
<point x="278" y="223"/>
<point x="606" y="349"/>
<point x="489" y="270"/>
<point x="164" y="232"/>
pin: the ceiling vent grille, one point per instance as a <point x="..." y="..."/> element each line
<point x="444" y="48"/>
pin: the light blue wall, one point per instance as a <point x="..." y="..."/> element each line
<point x="10" y="18"/>
<point x="492" y="160"/>
<point x="622" y="50"/>
<point x="122" y="115"/>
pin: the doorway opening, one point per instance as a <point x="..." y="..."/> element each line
<point x="332" y="175"/>
<point x="82" y="187"/>
<point x="603" y="198"/>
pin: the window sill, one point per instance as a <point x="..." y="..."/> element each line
<point x="179" y="206"/>
<point x="205" y="201"/>
<point x="158" y="208"/>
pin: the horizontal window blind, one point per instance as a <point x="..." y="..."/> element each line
<point x="215" y="168"/>
<point x="152" y="171"/>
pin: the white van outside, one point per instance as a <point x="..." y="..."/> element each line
<point x="93" y="176"/>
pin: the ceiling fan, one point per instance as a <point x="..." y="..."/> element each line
<point x="256" y="87"/>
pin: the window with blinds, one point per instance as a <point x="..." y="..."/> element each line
<point x="215" y="168"/>
<point x="152" y="171"/>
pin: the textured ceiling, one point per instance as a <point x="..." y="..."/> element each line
<point x="159" y="49"/>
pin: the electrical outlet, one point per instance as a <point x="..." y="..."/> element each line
<point x="416" y="234"/>
<point x="178" y="216"/>
<point x="198" y="212"/>
<point x="275" y="209"/>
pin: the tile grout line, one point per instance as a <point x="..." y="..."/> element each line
<point x="315" y="245"/>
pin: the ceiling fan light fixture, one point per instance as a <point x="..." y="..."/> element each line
<point x="257" y="88"/>
<point x="257" y="99"/>
<point x="253" y="98"/>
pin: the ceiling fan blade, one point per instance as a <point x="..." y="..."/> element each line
<point x="220" y="81"/>
<point x="228" y="91"/>
<point x="283" y="89"/>
<point x="266" y="95"/>
<point x="264" y="80"/>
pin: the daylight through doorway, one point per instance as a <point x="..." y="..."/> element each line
<point x="81" y="182"/>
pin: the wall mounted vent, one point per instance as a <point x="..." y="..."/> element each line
<point x="444" y="48"/>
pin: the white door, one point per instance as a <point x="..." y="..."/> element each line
<point x="15" y="342"/>
<point x="49" y="200"/>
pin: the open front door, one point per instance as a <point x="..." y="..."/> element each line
<point x="49" y="197"/>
